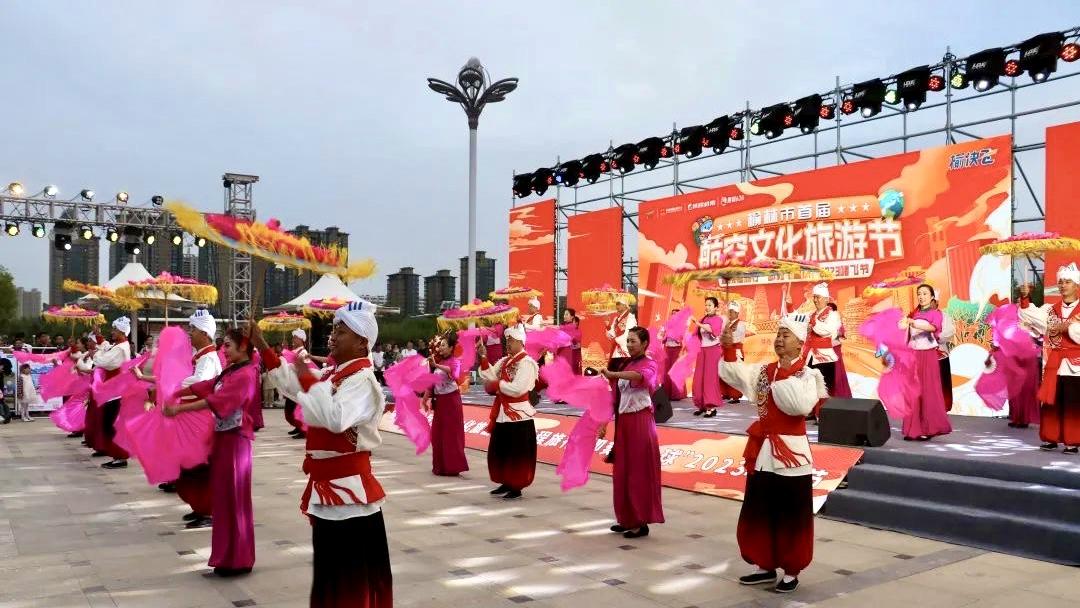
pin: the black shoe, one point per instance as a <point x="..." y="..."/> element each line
<point x="923" y="438"/>
<point x="84" y="442"/>
<point x="710" y="414"/>
<point x="201" y="522"/>
<point x="74" y="435"/>
<point x="787" y="587"/>
<point x="618" y="529"/>
<point x="733" y="401"/>
<point x="192" y="516"/>
<point x="642" y="531"/>
<point x="502" y="489"/>
<point x="1048" y="446"/>
<point x="294" y="431"/>
<point x="167" y="487"/>
<point x="512" y="494"/>
<point x="1017" y="425"/>
<point x="758" y="578"/>
<point x="98" y="454"/>
<point x="698" y="412"/>
<point x="1072" y="451"/>
<point x="300" y="435"/>
<point x="227" y="572"/>
<point x="114" y="464"/>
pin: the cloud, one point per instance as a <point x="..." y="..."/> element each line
<point x="651" y="253"/>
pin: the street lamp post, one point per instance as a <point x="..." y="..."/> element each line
<point x="473" y="94"/>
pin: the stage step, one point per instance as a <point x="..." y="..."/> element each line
<point x="1004" y="508"/>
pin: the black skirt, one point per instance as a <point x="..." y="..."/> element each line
<point x="351" y="563"/>
<point x="512" y="454"/>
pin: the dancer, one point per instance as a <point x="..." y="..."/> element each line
<point x="842" y="388"/>
<point x="619" y="329"/>
<point x="343" y="500"/>
<point x="109" y="356"/>
<point x="571" y="354"/>
<point x="512" y="448"/>
<point x="447" y="424"/>
<point x="776" y="521"/>
<point x="229" y="398"/>
<point x="297" y="342"/>
<point x="533" y="320"/>
<point x="928" y="418"/>
<point x="636" y="476"/>
<point x="672" y="349"/>
<point x="1024" y="395"/>
<point x="493" y="340"/>
<point x="1059" y="394"/>
<point x="707" y="392"/>
<point x="822" y="337"/>
<point x="28" y="394"/>
<point x="731" y="342"/>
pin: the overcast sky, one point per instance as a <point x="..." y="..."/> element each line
<point x="327" y="102"/>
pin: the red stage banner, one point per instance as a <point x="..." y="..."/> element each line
<point x="697" y="461"/>
<point x="532" y="251"/>
<point x="594" y="259"/>
<point x="923" y="214"/>
<point x="1062" y="186"/>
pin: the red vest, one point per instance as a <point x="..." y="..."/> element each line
<point x="1060" y="348"/>
<point x="772" y="421"/>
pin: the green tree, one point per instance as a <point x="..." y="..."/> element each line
<point x="8" y="303"/>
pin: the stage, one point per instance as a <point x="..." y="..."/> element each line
<point x="984" y="485"/>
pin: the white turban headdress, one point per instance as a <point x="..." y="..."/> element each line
<point x="203" y="321"/>
<point x="359" y="317"/>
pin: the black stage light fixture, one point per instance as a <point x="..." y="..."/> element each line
<point x="132" y="241"/>
<point x="868" y="96"/>
<point x="568" y="173"/>
<point x="1070" y="52"/>
<point x="542" y="178"/>
<point x="1039" y="55"/>
<point x="808" y="113"/>
<point x="691" y="140"/>
<point x="523" y="185"/>
<point x="984" y="68"/>
<point x="848" y="106"/>
<point x="736" y="133"/>
<point x="593" y="166"/>
<point x="62" y="242"/>
<point x="157" y="200"/>
<point x="622" y="158"/>
<point x="38" y="231"/>
<point x="11" y="228"/>
<point x="86" y="233"/>
<point x="1012" y="68"/>
<point x="912" y="86"/>
<point x="132" y="248"/>
<point x="827" y="111"/>
<point x="87" y="194"/>
<point x="178" y="238"/>
<point x="149" y="238"/>
<point x="112" y="235"/>
<point x="935" y="83"/>
<point x="200" y="242"/>
<point x="650" y="151"/>
<point x="718" y="132"/>
<point x="774" y="119"/>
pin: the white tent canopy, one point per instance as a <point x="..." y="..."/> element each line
<point x="327" y="287"/>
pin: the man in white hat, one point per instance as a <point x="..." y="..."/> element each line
<point x="109" y="356"/>
<point x="343" y="499"/>
<point x="822" y="337"/>
<point x="512" y="450"/>
<point x="776" y="522"/>
<point x="298" y="344"/>
<point x="1059" y="417"/>
<point x="619" y="329"/>
<point x="534" y="320"/>
<point x="731" y="343"/>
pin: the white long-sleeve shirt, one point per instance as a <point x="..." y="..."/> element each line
<point x="827" y="326"/>
<point x="1036" y="320"/>
<point x="357" y="404"/>
<point x="628" y="322"/>
<point x="111" y="356"/>
<point x="533" y="321"/>
<point x="207" y="367"/>
<point x="522" y="380"/>
<point x="795" y="396"/>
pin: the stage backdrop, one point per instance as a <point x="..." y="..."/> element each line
<point x="594" y="258"/>
<point x="1062" y="186"/>
<point x="532" y="251"/>
<point x="925" y="212"/>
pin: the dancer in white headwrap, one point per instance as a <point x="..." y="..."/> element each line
<point x="534" y="320"/>
<point x="298" y="343"/>
<point x="109" y="356"/>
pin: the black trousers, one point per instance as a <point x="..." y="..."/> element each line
<point x="351" y="563"/>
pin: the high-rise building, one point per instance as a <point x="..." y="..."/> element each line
<point x="331" y="237"/>
<point x="79" y="263"/>
<point x="403" y="291"/>
<point x="438" y="288"/>
<point x="27" y="302"/>
<point x="282" y="285"/>
<point x="485" y="277"/>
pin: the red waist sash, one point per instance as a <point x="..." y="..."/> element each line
<point x="1054" y="357"/>
<point x="323" y="471"/>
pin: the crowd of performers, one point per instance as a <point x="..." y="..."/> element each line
<point x="337" y="403"/>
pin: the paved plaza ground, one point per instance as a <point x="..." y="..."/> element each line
<point x="75" y="535"/>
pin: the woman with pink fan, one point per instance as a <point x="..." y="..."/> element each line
<point x="571" y="326"/>
<point x="708" y="394"/>
<point x="229" y="399"/>
<point x="447" y="424"/>
<point x="928" y="418"/>
<point x="298" y="344"/>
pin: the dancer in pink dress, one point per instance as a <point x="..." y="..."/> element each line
<point x="928" y="417"/>
<point x="708" y="393"/>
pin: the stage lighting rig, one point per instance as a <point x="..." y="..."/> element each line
<point x="772" y="121"/>
<point x="912" y="86"/>
<point x="200" y="242"/>
<point x="650" y="151"/>
<point x="622" y="158"/>
<point x="178" y="238"/>
<point x="691" y="140"/>
<point x="11" y="228"/>
<point x="1070" y="52"/>
<point x="718" y="132"/>
<point x="15" y="189"/>
<point x="568" y="173"/>
<point x="523" y="185"/>
<point x="985" y="68"/>
<point x="132" y="241"/>
<point x="122" y="197"/>
<point x="808" y="113"/>
<point x="112" y="235"/>
<point x="157" y="200"/>
<point x="86" y="233"/>
<point x="38" y="230"/>
<point x="593" y="166"/>
<point x="542" y="178"/>
<point x="50" y="191"/>
<point x="868" y="97"/>
<point x="1039" y="55"/>
<point x="86" y="194"/>
<point x="62" y="236"/>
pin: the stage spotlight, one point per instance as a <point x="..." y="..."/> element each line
<point x="1070" y="52"/>
<point x="523" y="185"/>
<point x="132" y="248"/>
<point x="568" y="173"/>
<point x="11" y="228"/>
<point x="149" y="238"/>
<point x="650" y="151"/>
<point x="200" y="242"/>
<point x="773" y="120"/>
<point x="984" y="68"/>
<point x="808" y="113"/>
<point x="848" y="106"/>
<point x="892" y="97"/>
<point x="157" y="200"/>
<point x="121" y="197"/>
<point x="62" y="241"/>
<point x="959" y="79"/>
<point x="912" y="86"/>
<point x="868" y="96"/>
<point x="593" y="166"/>
<point x="15" y="189"/>
<point x="1012" y="68"/>
<point x="736" y="133"/>
<point x="542" y="178"/>
<point x="51" y="191"/>
<point x="827" y="111"/>
<point x="717" y="133"/>
<point x="87" y="194"/>
<point x="1039" y="55"/>
<point x="623" y="158"/>
<point x="935" y="83"/>
<point x="86" y="233"/>
<point x="178" y="238"/>
<point x="38" y="231"/>
<point x="691" y="140"/>
<point x="112" y="235"/>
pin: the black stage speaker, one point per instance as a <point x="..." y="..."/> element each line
<point x="662" y="411"/>
<point x="860" y="422"/>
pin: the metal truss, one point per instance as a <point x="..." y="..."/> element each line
<point x="957" y="114"/>
<point x="49" y="211"/>
<point x="238" y="203"/>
